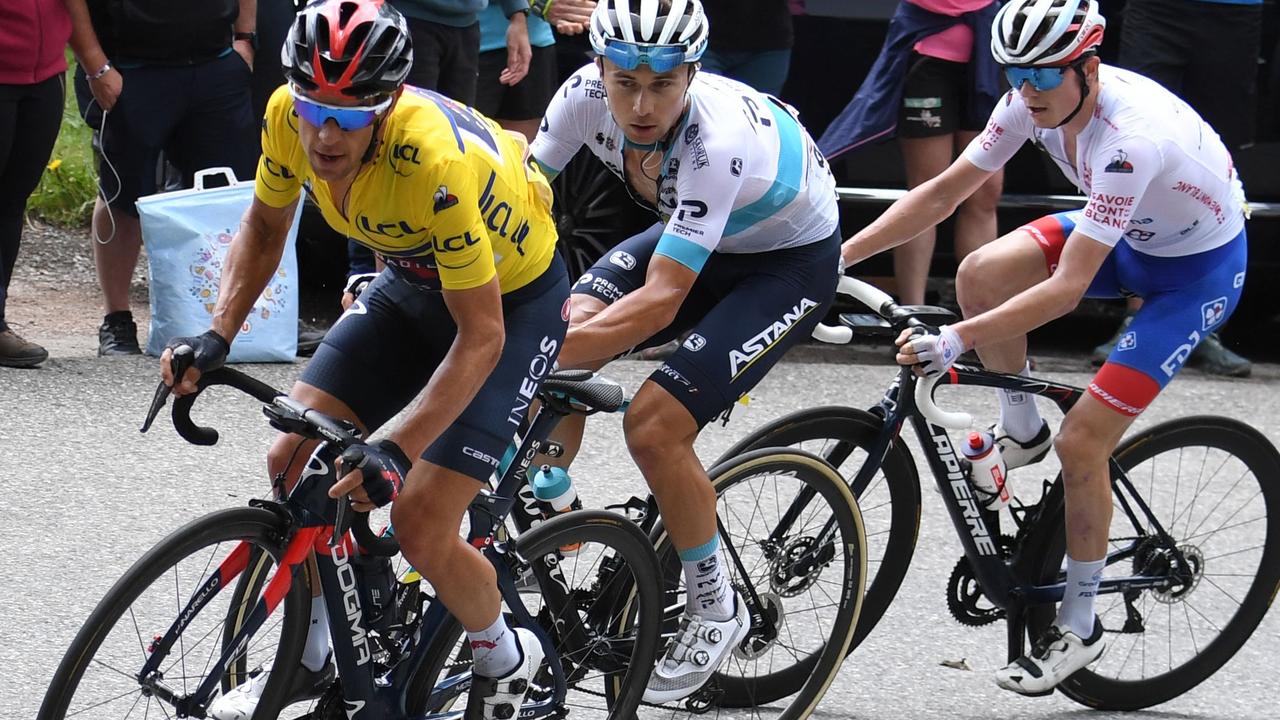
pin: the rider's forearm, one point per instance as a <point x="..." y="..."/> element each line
<point x="252" y="259"/>
<point x="1021" y="313"/>
<point x="620" y="326"/>
<point x="912" y="214"/>
<point x="453" y="386"/>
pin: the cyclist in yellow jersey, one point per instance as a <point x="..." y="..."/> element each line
<point x="468" y="315"/>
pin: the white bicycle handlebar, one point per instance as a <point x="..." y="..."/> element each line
<point x="881" y="304"/>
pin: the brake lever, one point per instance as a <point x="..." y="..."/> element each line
<point x="342" y="521"/>
<point x="183" y="357"/>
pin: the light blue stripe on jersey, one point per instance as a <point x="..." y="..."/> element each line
<point x="686" y="252"/>
<point x="786" y="183"/>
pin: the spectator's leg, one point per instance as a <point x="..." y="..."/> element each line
<point x="459" y="63"/>
<point x="29" y="120"/>
<point x="217" y="127"/>
<point x="975" y="223"/>
<point x="1222" y="82"/>
<point x="1155" y="40"/>
<point x="765" y="71"/>
<point x="427" y="50"/>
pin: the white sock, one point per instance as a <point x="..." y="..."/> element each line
<point x="706" y="585"/>
<point x="1076" y="610"/>
<point x="316" y="652"/>
<point x="494" y="650"/>
<point x="1018" y="413"/>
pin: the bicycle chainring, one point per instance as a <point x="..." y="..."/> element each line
<point x="965" y="599"/>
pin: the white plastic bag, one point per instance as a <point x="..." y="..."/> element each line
<point x="187" y="234"/>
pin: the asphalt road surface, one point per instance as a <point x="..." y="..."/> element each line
<point x="88" y="494"/>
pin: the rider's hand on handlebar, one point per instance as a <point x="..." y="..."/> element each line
<point x="929" y="353"/>
<point x="210" y="352"/>
<point x="373" y="474"/>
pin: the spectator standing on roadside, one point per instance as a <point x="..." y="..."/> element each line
<point x="33" y="34"/>
<point x="153" y="77"/>
<point x="934" y="84"/>
<point x="517" y="70"/>
<point x="1205" y="52"/>
<point x="751" y="42"/>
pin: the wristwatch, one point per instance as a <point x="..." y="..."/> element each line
<point x="252" y="37"/>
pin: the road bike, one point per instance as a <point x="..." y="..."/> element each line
<point x="226" y="599"/>
<point x="1193" y="559"/>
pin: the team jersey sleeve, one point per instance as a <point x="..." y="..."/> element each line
<point x="1121" y="170"/>
<point x="1007" y="129"/>
<point x="705" y="190"/>
<point x="459" y="240"/>
<point x="276" y="182"/>
<point x="561" y="133"/>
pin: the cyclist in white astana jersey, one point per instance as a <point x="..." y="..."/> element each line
<point x="768" y="187"/>
<point x="1158" y="178"/>
<point x="1144" y="155"/>
<point x="743" y="264"/>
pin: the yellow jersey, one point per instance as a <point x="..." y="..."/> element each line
<point x="449" y="200"/>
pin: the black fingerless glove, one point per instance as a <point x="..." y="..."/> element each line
<point x="384" y="467"/>
<point x="209" y="347"/>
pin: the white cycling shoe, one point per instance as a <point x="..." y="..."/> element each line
<point x="698" y="649"/>
<point x="241" y="701"/>
<point x="1017" y="453"/>
<point x="1057" y="655"/>
<point x="501" y="698"/>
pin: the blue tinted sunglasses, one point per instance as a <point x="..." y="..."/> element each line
<point x="1041" y="78"/>
<point x="348" y="118"/>
<point x="629" y="56"/>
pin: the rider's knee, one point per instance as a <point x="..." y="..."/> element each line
<point x="974" y="295"/>
<point x="653" y="427"/>
<point x="1076" y="445"/>
<point x="424" y="535"/>
<point x="289" y="454"/>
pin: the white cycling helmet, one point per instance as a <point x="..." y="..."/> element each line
<point x="659" y="33"/>
<point x="1046" y="32"/>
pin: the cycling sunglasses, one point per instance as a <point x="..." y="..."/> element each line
<point x="1041" y="78"/>
<point x="348" y="118"/>
<point x="629" y="56"/>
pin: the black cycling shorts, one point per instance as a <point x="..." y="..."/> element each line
<point x="527" y="99"/>
<point x="935" y="99"/>
<point x="745" y="311"/>
<point x="380" y="354"/>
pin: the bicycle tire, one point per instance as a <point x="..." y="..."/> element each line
<point x="637" y="597"/>
<point x="262" y="529"/>
<point x="890" y="504"/>
<point x="1093" y="688"/>
<point x="806" y="680"/>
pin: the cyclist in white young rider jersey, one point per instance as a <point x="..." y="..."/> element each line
<point x="1164" y="221"/>
<point x="745" y="255"/>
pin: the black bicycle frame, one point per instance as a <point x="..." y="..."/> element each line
<point x="977" y="527"/>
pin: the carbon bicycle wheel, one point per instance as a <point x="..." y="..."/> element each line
<point x="1214" y="485"/>
<point x="605" y="637"/>
<point x="812" y="592"/>
<point x="890" y="502"/>
<point x="99" y="675"/>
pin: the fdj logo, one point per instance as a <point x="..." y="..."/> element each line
<point x="1128" y="342"/>
<point x="1213" y="312"/>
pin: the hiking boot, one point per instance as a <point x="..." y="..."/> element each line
<point x="118" y="335"/>
<point x="698" y="649"/>
<point x="17" y="352"/>
<point x="1213" y="357"/>
<point x="239" y="702"/>
<point x="1057" y="655"/>
<point x="1100" y="353"/>
<point x="501" y="698"/>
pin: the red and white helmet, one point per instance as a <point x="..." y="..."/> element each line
<point x="1046" y="32"/>
<point x="347" y="48"/>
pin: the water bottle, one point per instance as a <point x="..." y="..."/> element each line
<point x="986" y="470"/>
<point x="555" y="492"/>
<point x="377" y="582"/>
